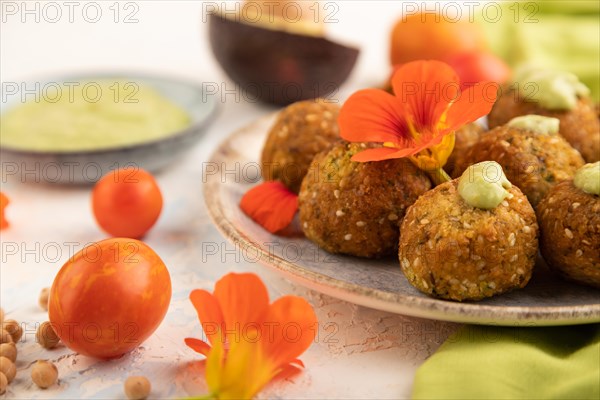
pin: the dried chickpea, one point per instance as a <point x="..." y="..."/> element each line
<point x="137" y="387"/>
<point x="8" y="350"/>
<point x="46" y="336"/>
<point x="44" y="374"/>
<point x="43" y="299"/>
<point x="8" y="368"/>
<point x="13" y="328"/>
<point x="5" y="337"/>
<point x="3" y="383"/>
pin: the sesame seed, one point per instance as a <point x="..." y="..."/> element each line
<point x="578" y="253"/>
<point x="466" y="225"/>
<point x="505" y="203"/>
<point x="392" y="217"/>
<point x="513" y="277"/>
<point x="514" y="258"/>
<point x="480" y="238"/>
<point x="327" y="114"/>
<point x="587" y="242"/>
<point x="475" y="257"/>
<point x="311" y="117"/>
<point x="575" y="205"/>
<point x="339" y="213"/>
<point x="520" y="201"/>
<point x="568" y="233"/>
<point x="417" y="262"/>
<point x="283" y="132"/>
<point x="504" y="143"/>
<point x="348" y="236"/>
<point x="405" y="263"/>
<point x="363" y="145"/>
<point x="425" y="285"/>
<point x="324" y="124"/>
<point x="424" y="221"/>
<point x="551" y="200"/>
<point x="526" y="229"/>
<point x="430" y="244"/>
<point x="520" y="271"/>
<point x="314" y="194"/>
<point x="511" y="239"/>
<point x="305" y="225"/>
<point x="492" y="285"/>
<point x="336" y="193"/>
<point x="360" y="224"/>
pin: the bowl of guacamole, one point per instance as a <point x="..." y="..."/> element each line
<point x="77" y="129"/>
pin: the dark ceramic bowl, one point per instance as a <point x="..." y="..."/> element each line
<point x="86" y="167"/>
<point x="279" y="67"/>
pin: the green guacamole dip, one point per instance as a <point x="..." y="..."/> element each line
<point x="90" y="116"/>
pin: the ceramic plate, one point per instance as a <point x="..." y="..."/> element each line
<point x="86" y="167"/>
<point x="378" y="284"/>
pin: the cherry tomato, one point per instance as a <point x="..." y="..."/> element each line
<point x="479" y="66"/>
<point x="127" y="202"/>
<point x="431" y="36"/>
<point x="3" y="203"/>
<point x="109" y="297"/>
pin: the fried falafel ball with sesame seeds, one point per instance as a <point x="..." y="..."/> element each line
<point x="569" y="219"/>
<point x="532" y="160"/>
<point x="464" y="138"/>
<point x="301" y="130"/>
<point x="579" y="126"/>
<point x="452" y="250"/>
<point x="356" y="208"/>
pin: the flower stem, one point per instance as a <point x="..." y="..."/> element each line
<point x="438" y="176"/>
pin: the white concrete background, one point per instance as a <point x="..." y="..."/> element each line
<point x="370" y="354"/>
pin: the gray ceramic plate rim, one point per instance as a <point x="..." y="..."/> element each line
<point x="193" y="128"/>
<point x="424" y="307"/>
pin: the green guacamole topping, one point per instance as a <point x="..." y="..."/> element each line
<point x="536" y="123"/>
<point x="587" y="178"/>
<point x="90" y="116"/>
<point x="553" y="90"/>
<point x="483" y="185"/>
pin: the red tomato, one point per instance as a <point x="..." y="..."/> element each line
<point x="433" y="36"/>
<point x="127" y="202"/>
<point x="3" y="203"/>
<point x="479" y="66"/>
<point x="109" y="297"/>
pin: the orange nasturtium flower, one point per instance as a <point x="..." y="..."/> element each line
<point x="3" y="203"/>
<point x="271" y="204"/>
<point x="251" y="342"/>
<point x="419" y="120"/>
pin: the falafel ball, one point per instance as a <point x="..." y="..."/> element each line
<point x="533" y="161"/>
<point x="579" y="126"/>
<point x="569" y="221"/>
<point x="452" y="250"/>
<point x="302" y="130"/>
<point x="356" y="208"/>
<point x="464" y="138"/>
